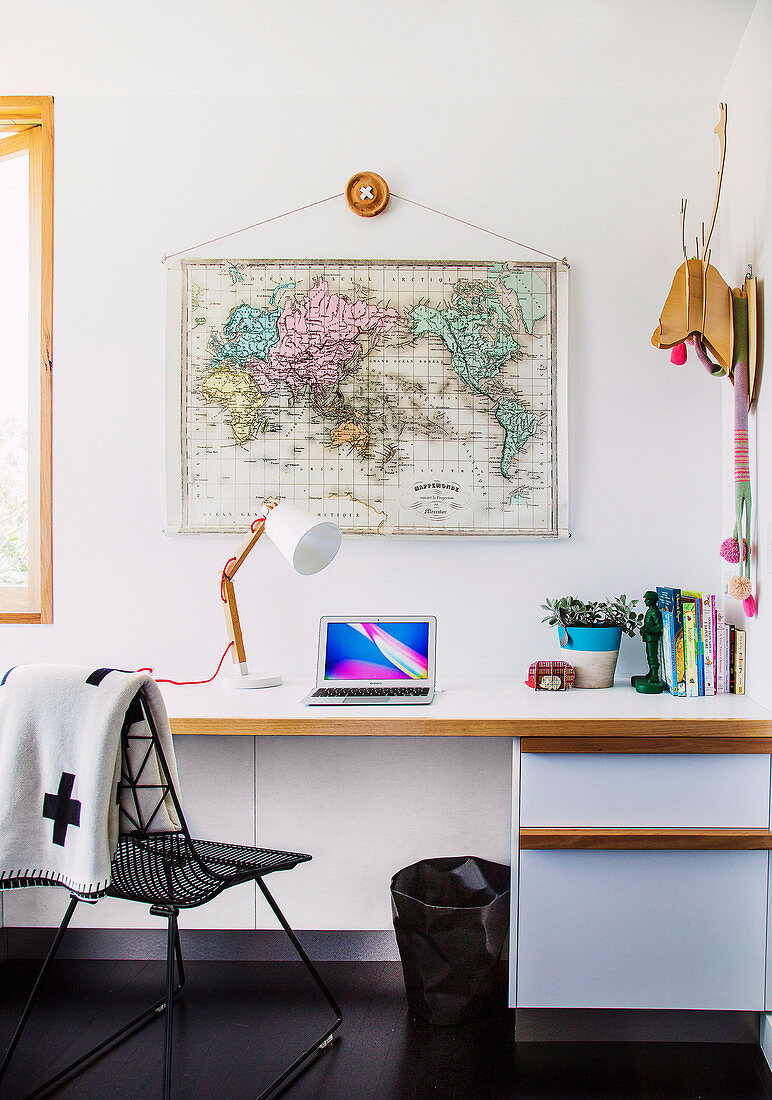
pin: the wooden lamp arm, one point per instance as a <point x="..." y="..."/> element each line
<point x="228" y="591"/>
<point x="244" y="549"/>
<point x="232" y="622"/>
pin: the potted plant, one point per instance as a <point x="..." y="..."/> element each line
<point x="593" y="632"/>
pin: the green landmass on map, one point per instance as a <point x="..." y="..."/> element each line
<point x="249" y="331"/>
<point x="519" y="425"/>
<point x="530" y="288"/>
<point x="479" y="332"/>
<point x="476" y="328"/>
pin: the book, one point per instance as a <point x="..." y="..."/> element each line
<point x="689" y="611"/>
<point x="720" y="652"/>
<point x="699" y="647"/>
<point x="668" y="657"/>
<point x="699" y="627"/>
<point x="739" y="662"/>
<point x="727" y="657"/>
<point x="679" y="681"/>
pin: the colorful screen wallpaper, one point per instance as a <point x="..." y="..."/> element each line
<point x="377" y="651"/>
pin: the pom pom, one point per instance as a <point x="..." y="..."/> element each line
<point x="678" y="355"/>
<point x="749" y="606"/>
<point x="739" y="588"/>
<point x="730" y="550"/>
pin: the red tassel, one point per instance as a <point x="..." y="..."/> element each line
<point x="678" y="355"/>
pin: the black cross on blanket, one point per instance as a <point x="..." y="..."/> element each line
<point x="63" y="810"/>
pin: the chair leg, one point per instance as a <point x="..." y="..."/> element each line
<point x="326" y="1038"/>
<point x="38" y="982"/>
<point x="180" y="961"/>
<point x="173" y="951"/>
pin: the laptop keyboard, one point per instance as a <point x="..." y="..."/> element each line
<point x="371" y="693"/>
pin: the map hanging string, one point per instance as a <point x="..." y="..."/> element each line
<point x="246" y="228"/>
<point x="402" y="198"/>
<point x="482" y="229"/>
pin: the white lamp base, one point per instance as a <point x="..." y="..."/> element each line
<point x="249" y="681"/>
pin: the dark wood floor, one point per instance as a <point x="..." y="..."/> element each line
<point x="237" y="1023"/>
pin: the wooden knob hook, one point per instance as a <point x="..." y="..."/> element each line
<point x="367" y="194"/>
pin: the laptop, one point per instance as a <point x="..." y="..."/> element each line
<point x="374" y="659"/>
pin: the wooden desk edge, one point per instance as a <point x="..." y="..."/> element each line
<point x="622" y="735"/>
<point x="637" y="839"/>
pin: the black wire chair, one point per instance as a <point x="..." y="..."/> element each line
<point x="169" y="872"/>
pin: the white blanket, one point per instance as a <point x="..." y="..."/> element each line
<point x="60" y="762"/>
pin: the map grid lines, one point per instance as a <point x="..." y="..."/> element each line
<point x="331" y="383"/>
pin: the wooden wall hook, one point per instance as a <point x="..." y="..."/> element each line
<point x="367" y="194"/>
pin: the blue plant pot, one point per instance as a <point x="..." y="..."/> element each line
<point x="594" y="652"/>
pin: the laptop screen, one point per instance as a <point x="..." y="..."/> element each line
<point x="377" y="651"/>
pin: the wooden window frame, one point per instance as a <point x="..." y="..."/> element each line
<point x="33" y="119"/>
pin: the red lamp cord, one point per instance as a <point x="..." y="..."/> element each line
<point x="222" y="578"/>
<point x="185" y="683"/>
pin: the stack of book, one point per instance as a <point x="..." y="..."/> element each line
<point x="701" y="653"/>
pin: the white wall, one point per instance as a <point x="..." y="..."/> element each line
<point x="557" y="131"/>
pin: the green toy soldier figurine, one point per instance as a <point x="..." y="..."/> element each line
<point x="651" y="632"/>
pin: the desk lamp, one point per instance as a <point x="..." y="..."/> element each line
<point x="307" y="542"/>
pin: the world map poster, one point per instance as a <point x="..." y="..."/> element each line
<point x="393" y="397"/>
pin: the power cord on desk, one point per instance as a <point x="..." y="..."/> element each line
<point x="185" y="683"/>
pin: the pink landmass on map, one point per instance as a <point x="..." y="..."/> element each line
<point x="318" y="345"/>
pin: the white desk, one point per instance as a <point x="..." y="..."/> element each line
<point x="640" y="826"/>
<point x="617" y="719"/>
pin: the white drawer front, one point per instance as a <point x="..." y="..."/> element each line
<point x="595" y="789"/>
<point x="667" y="930"/>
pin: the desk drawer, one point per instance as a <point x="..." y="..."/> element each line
<point x="659" y="930"/>
<point x="689" y="791"/>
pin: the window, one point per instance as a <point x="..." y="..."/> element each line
<point x="26" y="309"/>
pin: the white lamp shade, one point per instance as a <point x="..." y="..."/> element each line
<point x="308" y="542"/>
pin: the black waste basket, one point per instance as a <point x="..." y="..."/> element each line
<point x="451" y="918"/>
